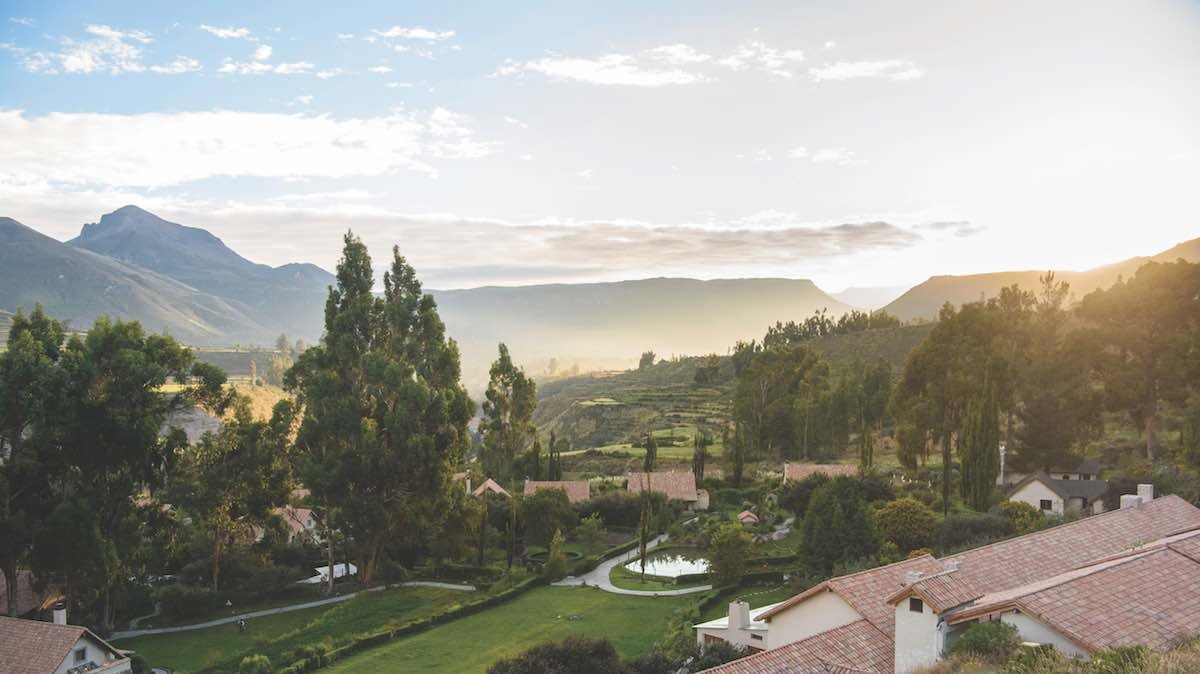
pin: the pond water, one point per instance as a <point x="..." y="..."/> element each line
<point x="670" y="564"/>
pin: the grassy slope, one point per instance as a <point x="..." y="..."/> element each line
<point x="473" y="643"/>
<point x="279" y="635"/>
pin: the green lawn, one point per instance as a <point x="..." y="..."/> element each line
<point x="278" y="636"/>
<point x="757" y="597"/>
<point x="473" y="643"/>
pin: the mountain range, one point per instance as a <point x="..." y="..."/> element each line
<point x="185" y="281"/>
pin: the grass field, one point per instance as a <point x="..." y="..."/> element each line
<point x="473" y="643"/>
<point x="278" y="636"/>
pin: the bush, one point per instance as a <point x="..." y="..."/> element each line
<point x="1042" y="659"/>
<point x="618" y="508"/>
<point x="255" y="664"/>
<point x="838" y="529"/>
<point x="728" y="549"/>
<point x="544" y="513"/>
<point x="590" y="529"/>
<point x="908" y="523"/>
<point x="556" y="562"/>
<point x="574" y="654"/>
<point x="993" y="642"/>
<point x="972" y="529"/>
<point x="795" y="495"/>
<point x="1024" y="517"/>
<point x="180" y="602"/>
<point x="138" y="665"/>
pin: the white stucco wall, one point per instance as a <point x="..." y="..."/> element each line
<point x="919" y="639"/>
<point x="1033" y="493"/>
<point x="819" y="613"/>
<point x="1032" y="629"/>
<point x="96" y="654"/>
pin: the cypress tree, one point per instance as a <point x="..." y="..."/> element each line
<point x="979" y="449"/>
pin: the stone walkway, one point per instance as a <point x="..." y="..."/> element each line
<point x="129" y="634"/>
<point x="599" y="576"/>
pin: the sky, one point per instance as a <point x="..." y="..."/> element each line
<point x="853" y="143"/>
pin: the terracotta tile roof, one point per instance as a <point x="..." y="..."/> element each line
<point x="747" y="516"/>
<point x="941" y="591"/>
<point x="868" y="591"/>
<point x="854" y="648"/>
<point x="39" y="647"/>
<point x="490" y="485"/>
<point x="577" y="490"/>
<point x="676" y="485"/>
<point x="799" y="471"/>
<point x="1029" y="558"/>
<point x="28" y="598"/>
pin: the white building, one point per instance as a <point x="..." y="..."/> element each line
<point x="1057" y="586"/>
<point x="36" y="647"/>
<point x="1059" y="496"/>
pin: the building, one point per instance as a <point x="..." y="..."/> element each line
<point x="1059" y="496"/>
<point x="1086" y="469"/>
<point x="747" y="518"/>
<point x="740" y="627"/>
<point x="36" y="647"/>
<point x="1128" y="576"/>
<point x="577" y="490"/>
<point x="794" y="472"/>
<point x="301" y="524"/>
<point x="677" y="485"/>
<point x="490" y="485"/>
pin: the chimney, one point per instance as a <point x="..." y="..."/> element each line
<point x="739" y="615"/>
<point x="60" y="613"/>
<point x="913" y="576"/>
<point x="951" y="565"/>
<point x="1130" y="501"/>
<point x="1146" y="491"/>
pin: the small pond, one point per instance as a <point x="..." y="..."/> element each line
<point x="671" y="564"/>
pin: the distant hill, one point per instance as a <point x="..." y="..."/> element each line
<point x="869" y="298"/>
<point x="79" y="285"/>
<point x="924" y="300"/>
<point x="290" y="299"/>
<point x="607" y="325"/>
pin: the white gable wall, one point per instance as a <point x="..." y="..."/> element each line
<point x="919" y="638"/>
<point x="819" y="613"/>
<point x="1034" y="630"/>
<point x="1034" y="492"/>
<point x="94" y="653"/>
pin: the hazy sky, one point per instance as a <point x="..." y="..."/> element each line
<point x="851" y="143"/>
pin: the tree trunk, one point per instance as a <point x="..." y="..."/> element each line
<point x="329" y="541"/>
<point x="946" y="463"/>
<point x="10" y="585"/>
<point x="1152" y="422"/>
<point x="218" y="539"/>
<point x="366" y="575"/>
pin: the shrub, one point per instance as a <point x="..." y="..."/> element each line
<point x="181" y="601"/>
<point x="556" y="562"/>
<point x="1024" y="517"/>
<point x="971" y="529"/>
<point x="618" y="508"/>
<point x="795" y="495"/>
<point x="908" y="523"/>
<point x="544" y="513"/>
<point x="728" y="548"/>
<point x="255" y="664"/>
<point x="992" y="642"/>
<point x="574" y="654"/>
<point x="590" y="529"/>
<point x="1042" y="659"/>
<point x="1122" y="660"/>
<point x="876" y="487"/>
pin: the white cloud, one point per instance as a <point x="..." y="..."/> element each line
<point x="415" y="33"/>
<point x="229" y="32"/>
<point x="155" y="150"/>
<point x="759" y="55"/>
<point x="830" y="44"/>
<point x="893" y="69"/>
<point x="798" y="153"/>
<point x="23" y="20"/>
<point x="345" y="36"/>
<point x="329" y="73"/>
<point x="263" y="68"/>
<point x="611" y="69"/>
<point x="107" y="49"/>
<point x="832" y="155"/>
<point x="525" y="157"/>
<point x="379" y="69"/>
<point x="306" y="99"/>
<point x="262" y="52"/>
<point x="181" y="65"/>
<point x="398" y="85"/>
<point x="515" y="122"/>
<point x="586" y="174"/>
<point x="678" y="54"/>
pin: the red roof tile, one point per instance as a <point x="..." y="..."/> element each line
<point x="679" y="486"/>
<point x="857" y="647"/>
<point x="490" y="485"/>
<point x="941" y="591"/>
<point x="34" y="647"/>
<point x="799" y="471"/>
<point x="577" y="490"/>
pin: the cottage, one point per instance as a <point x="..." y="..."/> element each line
<point x="794" y="472"/>
<point x="36" y="647"/>
<point x="490" y="485"/>
<point x="747" y="518"/>
<point x="300" y="523"/>
<point x="1060" y="496"/>
<point x="577" y="491"/>
<point x="1086" y="469"/>
<point x="1056" y="586"/>
<point x="677" y="485"/>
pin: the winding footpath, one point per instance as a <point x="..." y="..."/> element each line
<point x="130" y="633"/>
<point x="599" y="576"/>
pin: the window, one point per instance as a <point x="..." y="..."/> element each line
<point x="1066" y="476"/>
<point x="1085" y="476"/>
<point x="80" y="654"/>
<point x="756" y="637"/>
<point x="916" y="605"/>
<point x="1046" y="505"/>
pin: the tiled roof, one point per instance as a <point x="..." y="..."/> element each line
<point x="867" y="591"/>
<point x="1026" y="559"/>
<point x="295" y="519"/>
<point x="941" y="591"/>
<point x="854" y="648"/>
<point x="799" y="471"/>
<point x="577" y="490"/>
<point x="27" y="597"/>
<point x="490" y="485"/>
<point x="676" y="485"/>
<point x="38" y="646"/>
<point x="747" y="516"/>
<point x="1150" y="596"/>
